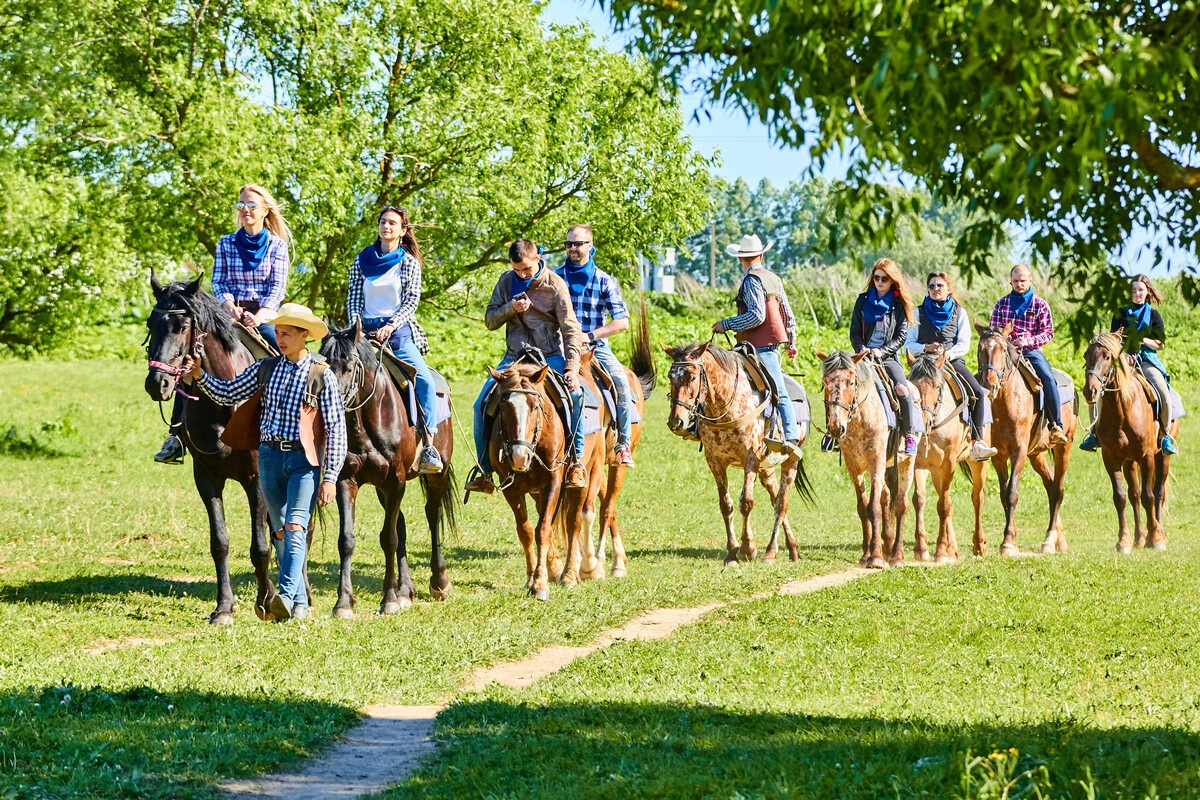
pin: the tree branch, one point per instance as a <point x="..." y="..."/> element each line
<point x="1171" y="175"/>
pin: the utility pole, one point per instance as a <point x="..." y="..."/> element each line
<point x="712" y="256"/>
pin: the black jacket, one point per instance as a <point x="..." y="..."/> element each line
<point x="894" y="322"/>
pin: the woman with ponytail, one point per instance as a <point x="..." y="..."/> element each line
<point x="250" y="269"/>
<point x="384" y="290"/>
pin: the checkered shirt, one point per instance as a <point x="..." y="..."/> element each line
<point x="406" y="305"/>
<point x="601" y="294"/>
<point x="233" y="280"/>
<point x="281" y="405"/>
<point x="1036" y="324"/>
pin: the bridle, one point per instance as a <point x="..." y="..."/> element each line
<point x="1008" y="362"/>
<point x="1106" y="379"/>
<point x="697" y="408"/>
<point x="852" y="409"/>
<point x="195" y="348"/>
<point x="358" y="374"/>
<point x="540" y="416"/>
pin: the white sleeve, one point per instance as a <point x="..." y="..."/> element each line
<point x="910" y="341"/>
<point x="962" y="345"/>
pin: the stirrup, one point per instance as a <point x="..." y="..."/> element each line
<point x="429" y="462"/>
<point x="172" y="451"/>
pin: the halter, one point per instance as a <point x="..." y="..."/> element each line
<point x="1107" y="378"/>
<point x="855" y="405"/>
<point x="697" y="408"/>
<point x="1008" y="363"/>
<point x="195" y="349"/>
<point x="540" y="414"/>
<point x="358" y="374"/>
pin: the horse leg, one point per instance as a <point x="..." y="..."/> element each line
<point x="590" y="566"/>
<point x="408" y="590"/>
<point x="722" y="478"/>
<point x="978" y="492"/>
<point x="546" y="502"/>
<point x="1053" y="497"/>
<point x="1062" y="458"/>
<point x="1113" y="466"/>
<point x="347" y="494"/>
<point x="1010" y="483"/>
<point x="860" y="497"/>
<point x="1134" y="489"/>
<point x="1162" y="466"/>
<point x="389" y="542"/>
<point x="608" y="521"/>
<point x="920" y="538"/>
<point x="436" y="491"/>
<point x="746" y="505"/>
<point x="779" y="502"/>
<point x="947" y="544"/>
<point x="875" y="507"/>
<point x="260" y="547"/>
<point x="211" y="488"/>
<point x="570" y="519"/>
<point x="899" y="507"/>
<point x="516" y="501"/>
<point x="1153" y="526"/>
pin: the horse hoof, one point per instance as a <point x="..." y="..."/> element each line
<point x="748" y="555"/>
<point x="921" y="556"/>
<point x="1048" y="548"/>
<point x="876" y="563"/>
<point x="1124" y="549"/>
<point x="342" y="613"/>
<point x="261" y="612"/>
<point x="396" y="607"/>
<point x="730" y="563"/>
<point x="1160" y="545"/>
<point x="768" y="559"/>
<point x="897" y="563"/>
<point x="539" y="594"/>
<point x="1009" y="550"/>
<point x="618" y="572"/>
<point x="224" y="618"/>
<point x="440" y="594"/>
<point x="945" y="560"/>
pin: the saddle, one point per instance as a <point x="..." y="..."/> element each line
<point x="560" y="395"/>
<point x="1066" y="386"/>
<point x="404" y="375"/>
<point x="764" y="385"/>
<point x="259" y="347"/>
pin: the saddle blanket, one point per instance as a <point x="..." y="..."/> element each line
<point x="800" y="406"/>
<point x="1066" y="389"/>
<point x="1177" y="409"/>
<point x="593" y="417"/>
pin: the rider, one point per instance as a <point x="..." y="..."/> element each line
<point x="1032" y="327"/>
<point x="764" y="319"/>
<point x="534" y="305"/>
<point x="249" y="275"/>
<point x="879" y="325"/>
<point x="384" y="290"/>
<point x="288" y="471"/>
<point x="944" y="326"/>
<point x="593" y="292"/>
<point x="1144" y="336"/>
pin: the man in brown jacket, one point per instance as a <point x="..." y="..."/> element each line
<point x="534" y="306"/>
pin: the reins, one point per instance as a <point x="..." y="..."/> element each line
<point x="697" y="408"/>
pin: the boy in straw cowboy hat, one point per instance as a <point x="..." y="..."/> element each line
<point x="289" y="466"/>
<point x="765" y="320"/>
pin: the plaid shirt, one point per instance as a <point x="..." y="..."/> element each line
<point x="756" y="311"/>
<point x="406" y="304"/>
<point x="1036" y="324"/>
<point x="601" y="294"/>
<point x="232" y="280"/>
<point x="281" y="405"/>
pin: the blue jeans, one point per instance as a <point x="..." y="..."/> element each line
<point x="289" y="486"/>
<point x="769" y="356"/>
<point x="1041" y="366"/>
<point x="624" y="398"/>
<point x="558" y="364"/>
<point x="405" y="348"/>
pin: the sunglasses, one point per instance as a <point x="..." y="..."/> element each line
<point x="881" y="278"/>
<point x="937" y="286"/>
<point x="239" y="205"/>
<point x="575" y="244"/>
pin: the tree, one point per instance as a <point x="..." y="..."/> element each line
<point x="1078" y="120"/>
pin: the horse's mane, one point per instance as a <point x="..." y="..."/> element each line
<point x="691" y="352"/>
<point x="925" y="367"/>
<point x="1115" y="344"/>
<point x="338" y="346"/>
<point x="521" y="369"/>
<point x="209" y="315"/>
<point x="844" y="359"/>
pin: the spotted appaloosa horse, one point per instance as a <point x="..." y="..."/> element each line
<point x="1017" y="436"/>
<point x="1127" y="430"/>
<point x="855" y="417"/>
<point x="708" y="382"/>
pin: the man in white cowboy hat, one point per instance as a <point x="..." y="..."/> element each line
<point x="292" y="474"/>
<point x="765" y="320"/>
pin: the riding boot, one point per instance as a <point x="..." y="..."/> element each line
<point x="172" y="448"/>
<point x="904" y="419"/>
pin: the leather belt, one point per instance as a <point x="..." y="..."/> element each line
<point x="283" y="445"/>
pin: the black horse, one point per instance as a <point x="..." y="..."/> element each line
<point x="382" y="450"/>
<point x="187" y="320"/>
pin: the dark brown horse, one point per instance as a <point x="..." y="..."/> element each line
<point x="1018" y="434"/>
<point x="382" y="447"/>
<point x="1127" y="430"/>
<point x="186" y="320"/>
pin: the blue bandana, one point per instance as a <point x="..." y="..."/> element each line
<point x="877" y="306"/>
<point x="252" y="249"/>
<point x="1138" y="316"/>
<point x="374" y="262"/>
<point x="1021" y="302"/>
<point x="577" y="276"/>
<point x="519" y="284"/>
<point x="938" y="313"/>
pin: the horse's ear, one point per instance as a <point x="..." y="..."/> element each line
<point x="193" y="288"/>
<point x="819" y="354"/>
<point x="980" y="327"/>
<point x="857" y="357"/>
<point x="1007" y="330"/>
<point x="1120" y="332"/>
<point x="668" y="350"/>
<point x="357" y="330"/>
<point x="496" y="375"/>
<point x="700" y="353"/>
<point x="941" y="359"/>
<point x="541" y="374"/>
<point x="156" y="284"/>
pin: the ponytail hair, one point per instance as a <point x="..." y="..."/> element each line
<point x="274" y="221"/>
<point x="1153" y="295"/>
<point x="407" y="239"/>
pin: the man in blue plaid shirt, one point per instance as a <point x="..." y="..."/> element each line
<point x="595" y="294"/>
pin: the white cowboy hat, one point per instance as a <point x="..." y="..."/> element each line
<point x="750" y="245"/>
<point x="299" y="316"/>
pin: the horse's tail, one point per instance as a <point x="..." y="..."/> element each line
<point x="641" y="360"/>
<point x="447" y="514"/>
<point x="804" y="485"/>
<point x="965" y="468"/>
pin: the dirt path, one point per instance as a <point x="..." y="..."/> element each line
<point x="391" y="740"/>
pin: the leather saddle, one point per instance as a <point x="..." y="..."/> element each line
<point x="764" y="383"/>
<point x="259" y="347"/>
<point x="560" y="395"/>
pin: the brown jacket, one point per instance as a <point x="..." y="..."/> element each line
<point x="549" y="324"/>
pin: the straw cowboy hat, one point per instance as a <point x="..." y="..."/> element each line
<point x="299" y="316"/>
<point x="750" y="245"/>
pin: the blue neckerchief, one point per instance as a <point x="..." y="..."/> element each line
<point x="374" y="262"/>
<point x="252" y="249"/>
<point x="938" y="313"/>
<point x="519" y="284"/>
<point x="877" y="306"/>
<point x="1138" y="316"/>
<point x="578" y="276"/>
<point x="1021" y="302"/>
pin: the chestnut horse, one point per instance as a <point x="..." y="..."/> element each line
<point x="856" y="418"/>
<point x="382" y="446"/>
<point x="946" y="444"/>
<point x="1018" y="434"/>
<point x="708" y="383"/>
<point x="186" y="321"/>
<point x="1127" y="430"/>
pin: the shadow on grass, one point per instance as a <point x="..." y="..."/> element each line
<point x="93" y="588"/>
<point x="656" y="750"/>
<point x="80" y="742"/>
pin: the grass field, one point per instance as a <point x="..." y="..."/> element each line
<point x="1072" y="675"/>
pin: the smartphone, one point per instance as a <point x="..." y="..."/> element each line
<point x="520" y="296"/>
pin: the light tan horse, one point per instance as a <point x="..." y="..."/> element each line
<point x="855" y="417"/>
<point x="1018" y="434"/>
<point x="1127" y="430"/>
<point x="946" y="444"/>
<point x="708" y="384"/>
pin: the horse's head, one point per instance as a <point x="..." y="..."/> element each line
<point x="689" y="383"/>
<point x="522" y="413"/>
<point x="171" y="333"/>
<point x="997" y="356"/>
<point x="1102" y="362"/>
<point x="846" y="382"/>
<point x="351" y="358"/>
<point x="926" y="376"/>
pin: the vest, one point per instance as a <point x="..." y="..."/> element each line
<point x="946" y="336"/>
<point x="242" y="430"/>
<point x="772" y="330"/>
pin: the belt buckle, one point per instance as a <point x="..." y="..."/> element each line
<point x="287" y="446"/>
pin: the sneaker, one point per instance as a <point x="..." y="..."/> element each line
<point x="281" y="607"/>
<point x="910" y="445"/>
<point x="624" y="456"/>
<point x="430" y="461"/>
<point x="1090" y="443"/>
<point x="1168" y="446"/>
<point x="300" y="612"/>
<point x="793" y="449"/>
<point x="171" y="452"/>
<point x="1058" y="435"/>
<point x="577" y="476"/>
<point x="480" y="482"/>
<point x="981" y="451"/>
<point x="829" y="444"/>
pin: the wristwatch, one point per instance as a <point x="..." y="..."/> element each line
<point x="592" y="337"/>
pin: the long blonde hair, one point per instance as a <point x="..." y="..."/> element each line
<point x="889" y="268"/>
<point x="274" y="221"/>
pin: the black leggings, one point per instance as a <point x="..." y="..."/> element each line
<point x="975" y="403"/>
<point x="909" y="411"/>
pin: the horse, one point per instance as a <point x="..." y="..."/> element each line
<point x="708" y="387"/>
<point x="856" y="418"/>
<point x="1127" y="430"/>
<point x="946" y="444"/>
<point x="188" y="321"/>
<point x="382" y="446"/>
<point x="1018" y="436"/>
